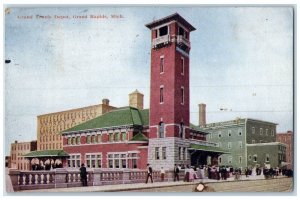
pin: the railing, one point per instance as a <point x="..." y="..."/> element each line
<point x="160" y="40"/>
<point x="62" y="178"/>
<point x="181" y="39"/>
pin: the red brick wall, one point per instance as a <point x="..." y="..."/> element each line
<point x="105" y="148"/>
<point x="171" y="111"/>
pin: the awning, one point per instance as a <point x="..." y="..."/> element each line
<point x="208" y="148"/>
<point x="46" y="153"/>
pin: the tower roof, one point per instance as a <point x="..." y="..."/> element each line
<point x="136" y="92"/>
<point x="175" y="17"/>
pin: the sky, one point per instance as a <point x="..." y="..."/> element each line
<point x="241" y="60"/>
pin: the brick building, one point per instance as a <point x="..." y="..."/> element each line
<point x="131" y="137"/>
<point x="288" y="139"/>
<point x="50" y="125"/>
<point x="17" y="150"/>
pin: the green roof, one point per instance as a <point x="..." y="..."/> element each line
<point x="46" y="153"/>
<point x="139" y="137"/>
<point x="208" y="148"/>
<point x="119" y="117"/>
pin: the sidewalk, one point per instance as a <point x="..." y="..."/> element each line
<point x="128" y="187"/>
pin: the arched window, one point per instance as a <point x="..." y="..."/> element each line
<point x="161" y="129"/>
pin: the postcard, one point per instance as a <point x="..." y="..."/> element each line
<point x="149" y="98"/>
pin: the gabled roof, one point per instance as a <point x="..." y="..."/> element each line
<point x="125" y="116"/>
<point x="46" y="153"/>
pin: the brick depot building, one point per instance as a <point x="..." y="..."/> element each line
<point x="130" y="137"/>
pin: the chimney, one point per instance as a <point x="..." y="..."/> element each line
<point x="202" y="114"/>
<point x="105" y="102"/>
<point x="136" y="100"/>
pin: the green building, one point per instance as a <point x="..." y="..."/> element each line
<point x="251" y="143"/>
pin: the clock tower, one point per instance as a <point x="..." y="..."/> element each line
<point x="169" y="92"/>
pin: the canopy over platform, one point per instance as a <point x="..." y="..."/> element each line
<point x="206" y="148"/>
<point x="46" y="153"/>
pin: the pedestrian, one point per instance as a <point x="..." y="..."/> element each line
<point x="176" y="173"/>
<point x="83" y="175"/>
<point x="187" y="174"/>
<point x="162" y="174"/>
<point x="149" y="173"/>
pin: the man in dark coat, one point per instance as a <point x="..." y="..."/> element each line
<point x="176" y="173"/>
<point x="149" y="173"/>
<point x="83" y="175"/>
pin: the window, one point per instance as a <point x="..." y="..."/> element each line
<point x="253" y="130"/>
<point x="267" y="131"/>
<point x="161" y="94"/>
<point x="74" y="160"/>
<point x="250" y="157"/>
<point x="123" y="136"/>
<point x="253" y="141"/>
<point x="229" y="145"/>
<point x="181" y="129"/>
<point x="181" y="31"/>
<point x="220" y="135"/>
<point x="261" y="131"/>
<point x="182" y="95"/>
<point x="161" y="64"/>
<point x="132" y="160"/>
<point x="123" y="161"/>
<point x="240" y="132"/>
<point x="117" y="161"/>
<point x="73" y="141"/>
<point x="94" y="139"/>
<point x="240" y="144"/>
<point x="69" y="141"/>
<point x="272" y="132"/>
<point x="157" y="153"/>
<point x="184" y="153"/>
<point x="229" y="133"/>
<point x="254" y="158"/>
<point x="88" y="139"/>
<point x="229" y="159"/>
<point x="78" y="140"/>
<point x="99" y="138"/>
<point x="163" y="31"/>
<point x="117" y="137"/>
<point x="88" y="160"/>
<point x="110" y="161"/>
<point x="240" y="159"/>
<point x="179" y="153"/>
<point x="111" y="137"/>
<point x="161" y="129"/>
<point x="220" y="144"/>
<point x="182" y="66"/>
<point x="220" y="160"/>
<point x="164" y="153"/>
<point x="267" y="158"/>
